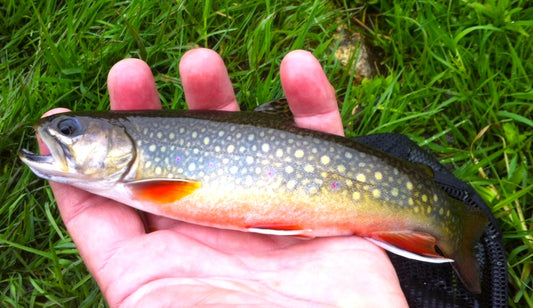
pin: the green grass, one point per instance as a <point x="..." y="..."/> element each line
<point x="458" y="80"/>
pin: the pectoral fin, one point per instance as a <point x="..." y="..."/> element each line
<point x="410" y="244"/>
<point x="162" y="190"/>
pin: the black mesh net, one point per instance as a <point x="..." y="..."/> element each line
<point x="436" y="285"/>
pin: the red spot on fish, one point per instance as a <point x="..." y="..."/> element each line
<point x="335" y="185"/>
<point x="271" y="172"/>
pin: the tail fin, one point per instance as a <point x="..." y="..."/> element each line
<point x="465" y="263"/>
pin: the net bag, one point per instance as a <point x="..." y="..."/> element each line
<point x="437" y="285"/>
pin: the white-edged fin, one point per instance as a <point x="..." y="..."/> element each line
<point x="408" y="254"/>
<point x="278" y="231"/>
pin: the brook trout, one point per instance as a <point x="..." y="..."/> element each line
<point x="256" y="171"/>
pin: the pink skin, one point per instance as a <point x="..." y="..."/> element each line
<point x="199" y="266"/>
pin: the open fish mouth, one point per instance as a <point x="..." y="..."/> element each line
<point x="53" y="166"/>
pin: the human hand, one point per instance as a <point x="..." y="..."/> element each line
<point x="183" y="264"/>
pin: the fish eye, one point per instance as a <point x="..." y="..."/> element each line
<point x="69" y="127"/>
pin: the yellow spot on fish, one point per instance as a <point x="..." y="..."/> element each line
<point x="361" y="177"/>
<point x="348" y="155"/>
<point x="291" y="184"/>
<point x="424" y="198"/>
<point x="233" y="169"/>
<point x="230" y="148"/>
<point x="265" y="147"/>
<point x="435" y="198"/>
<point x="206" y="140"/>
<point x="299" y="153"/>
<point x="152" y="148"/>
<point x="171" y="136"/>
<point x="194" y="134"/>
<point x="158" y="171"/>
<point x="323" y="174"/>
<point x="148" y="164"/>
<point x="416" y="209"/>
<point x="309" y="168"/>
<point x="356" y="195"/>
<point x="378" y="175"/>
<point x="394" y="192"/>
<point x="192" y="167"/>
<point x="279" y="153"/>
<point x="411" y="202"/>
<point x="409" y="185"/>
<point x="289" y="169"/>
<point x="318" y="181"/>
<point x="163" y="149"/>
<point x="249" y="160"/>
<point x="349" y="183"/>
<point x="448" y="213"/>
<point x="376" y="193"/>
<point x="324" y="159"/>
<point x="341" y="168"/>
<point x="428" y="210"/>
<point x="217" y="149"/>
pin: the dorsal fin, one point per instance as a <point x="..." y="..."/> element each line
<point x="278" y="107"/>
<point x="425" y="169"/>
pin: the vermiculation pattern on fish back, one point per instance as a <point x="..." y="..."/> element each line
<point x="335" y="172"/>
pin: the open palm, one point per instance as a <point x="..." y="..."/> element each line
<point x="180" y="264"/>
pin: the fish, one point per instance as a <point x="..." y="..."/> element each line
<point x="256" y="171"/>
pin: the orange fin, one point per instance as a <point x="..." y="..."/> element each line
<point x="410" y="244"/>
<point x="296" y="231"/>
<point x="162" y="190"/>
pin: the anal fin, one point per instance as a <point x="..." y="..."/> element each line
<point x="410" y="244"/>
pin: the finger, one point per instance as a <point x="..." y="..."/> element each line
<point x="206" y="81"/>
<point x="207" y="86"/>
<point x="96" y="224"/>
<point x="132" y="86"/>
<point x="310" y="95"/>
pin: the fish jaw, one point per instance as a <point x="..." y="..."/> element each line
<point x="52" y="167"/>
